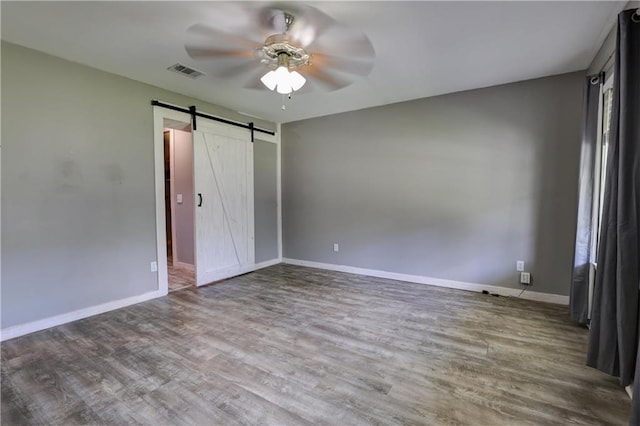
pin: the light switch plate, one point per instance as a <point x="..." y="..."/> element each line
<point x="179" y="198"/>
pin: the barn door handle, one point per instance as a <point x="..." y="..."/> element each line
<point x="199" y="199"/>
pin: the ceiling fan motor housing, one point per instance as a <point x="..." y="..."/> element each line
<point x="279" y="44"/>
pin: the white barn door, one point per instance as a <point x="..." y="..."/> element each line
<point x="223" y="179"/>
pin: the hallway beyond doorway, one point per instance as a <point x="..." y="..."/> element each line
<point x="181" y="275"/>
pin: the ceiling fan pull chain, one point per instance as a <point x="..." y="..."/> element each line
<point x="288" y="97"/>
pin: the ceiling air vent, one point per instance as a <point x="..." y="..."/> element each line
<point x="185" y="70"/>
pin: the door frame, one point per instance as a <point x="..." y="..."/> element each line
<point x="172" y="200"/>
<point x="159" y="115"/>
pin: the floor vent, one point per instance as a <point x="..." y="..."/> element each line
<point x="185" y="70"/>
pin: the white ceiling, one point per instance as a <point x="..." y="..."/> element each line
<point x="422" y="48"/>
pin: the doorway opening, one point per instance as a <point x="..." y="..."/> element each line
<point x="179" y="204"/>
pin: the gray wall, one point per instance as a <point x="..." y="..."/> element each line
<point x="454" y="187"/>
<point x="78" y="209"/>
<point x="265" y="188"/>
<point x="183" y="184"/>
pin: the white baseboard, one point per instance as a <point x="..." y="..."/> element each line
<point x="267" y="263"/>
<point x="32" y="327"/>
<point x="419" y="279"/>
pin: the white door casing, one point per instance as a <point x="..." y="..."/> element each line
<point x="224" y="216"/>
<point x="160" y="118"/>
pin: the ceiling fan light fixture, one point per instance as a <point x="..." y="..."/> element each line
<point x="283" y="80"/>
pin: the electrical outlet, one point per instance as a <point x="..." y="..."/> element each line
<point x="520" y="265"/>
<point x="525" y="278"/>
<point x="154" y="266"/>
<point x="336" y="248"/>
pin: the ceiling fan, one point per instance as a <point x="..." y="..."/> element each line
<point x="283" y="46"/>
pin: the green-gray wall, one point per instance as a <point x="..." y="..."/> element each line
<point x="453" y="187"/>
<point x="78" y="201"/>
<point x="265" y="188"/>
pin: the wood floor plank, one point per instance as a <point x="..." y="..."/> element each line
<point x="289" y="345"/>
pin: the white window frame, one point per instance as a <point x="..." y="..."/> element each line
<point x="598" y="190"/>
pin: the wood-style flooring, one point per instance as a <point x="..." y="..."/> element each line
<point x="289" y="345"/>
<point x="180" y="275"/>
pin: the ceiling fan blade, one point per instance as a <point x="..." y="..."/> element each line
<point x="327" y="79"/>
<point x="270" y="18"/>
<point x="311" y="25"/>
<point x="227" y="55"/>
<point x="221" y="38"/>
<point x="254" y="82"/>
<point x="344" y="64"/>
<point x="344" y="43"/>
<point x="197" y="52"/>
<point x="240" y="69"/>
<point x="308" y="22"/>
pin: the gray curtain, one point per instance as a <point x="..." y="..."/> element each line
<point x="613" y="338"/>
<point x="635" y="405"/>
<point x="579" y="295"/>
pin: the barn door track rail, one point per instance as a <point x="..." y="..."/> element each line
<point x="193" y="113"/>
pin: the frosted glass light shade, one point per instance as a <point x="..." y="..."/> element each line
<point x="296" y="80"/>
<point x="283" y="80"/>
<point x="284" y="88"/>
<point x="282" y="77"/>
<point x="269" y="80"/>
